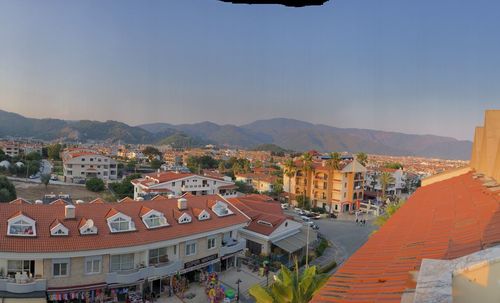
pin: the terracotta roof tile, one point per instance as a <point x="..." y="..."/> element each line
<point x="444" y="220"/>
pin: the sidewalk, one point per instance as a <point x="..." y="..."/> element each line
<point x="331" y="253"/>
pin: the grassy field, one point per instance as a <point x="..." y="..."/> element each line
<point x="34" y="191"/>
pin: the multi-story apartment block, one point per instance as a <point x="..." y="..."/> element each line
<point x="177" y="183"/>
<point x="259" y="181"/>
<point x="336" y="190"/>
<point x="11" y="149"/>
<point x="372" y="181"/>
<point x="80" y="164"/>
<point x="97" y="251"/>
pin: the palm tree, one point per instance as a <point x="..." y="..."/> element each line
<point x="332" y="164"/>
<point x="290" y="286"/>
<point x="362" y="158"/>
<point x="307" y="167"/>
<point x="385" y="178"/>
<point x="290" y="170"/>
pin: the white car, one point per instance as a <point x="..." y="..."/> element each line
<point x="284" y="205"/>
<point x="306" y="219"/>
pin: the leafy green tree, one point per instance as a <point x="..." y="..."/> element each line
<point x="151" y="152"/>
<point x="155" y="164"/>
<point x="197" y="163"/>
<point x="53" y="151"/>
<point x="290" y="169"/>
<point x="303" y="202"/>
<point x="290" y="286"/>
<point x="131" y="165"/>
<point x="362" y="158"/>
<point x="124" y="188"/>
<point x="7" y="190"/>
<point x="45" y="178"/>
<point x="394" y="165"/>
<point x="94" y="184"/>
<point x="385" y="179"/>
<point x="33" y="156"/>
<point x="3" y="156"/>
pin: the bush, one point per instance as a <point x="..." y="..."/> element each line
<point x="7" y="190"/>
<point x="94" y="184"/>
<point x="320" y="249"/>
<point x="327" y="268"/>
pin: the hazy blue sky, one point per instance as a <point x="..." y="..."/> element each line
<point x="404" y="65"/>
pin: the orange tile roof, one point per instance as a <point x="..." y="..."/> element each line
<point x="444" y="220"/>
<point x="45" y="215"/>
<point x="260" y="207"/>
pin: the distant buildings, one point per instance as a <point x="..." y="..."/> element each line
<point x="333" y="189"/>
<point x="176" y="183"/>
<point x="442" y="245"/>
<point x="372" y="181"/>
<point x="259" y="181"/>
<point x="80" y="164"/>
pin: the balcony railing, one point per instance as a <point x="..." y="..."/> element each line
<point x="195" y="187"/>
<point x="28" y="286"/>
<point x="134" y="275"/>
<point x="233" y="247"/>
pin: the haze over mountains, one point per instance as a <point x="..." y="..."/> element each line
<point x="287" y="133"/>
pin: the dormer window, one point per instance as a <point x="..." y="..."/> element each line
<point x="221" y="209"/>
<point x="204" y="215"/>
<point x="262" y="222"/>
<point x="88" y="228"/>
<point x="120" y="223"/>
<point x="21" y="225"/>
<point x="154" y="219"/>
<point x="59" y="230"/>
<point x="185" y="218"/>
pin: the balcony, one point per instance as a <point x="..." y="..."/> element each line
<point x="12" y="286"/>
<point x="233" y="247"/>
<point x="134" y="275"/>
<point x="192" y="187"/>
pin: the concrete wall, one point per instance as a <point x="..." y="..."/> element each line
<point x="477" y="285"/>
<point x="445" y="175"/>
<point x="77" y="274"/>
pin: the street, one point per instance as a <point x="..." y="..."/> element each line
<point x="347" y="236"/>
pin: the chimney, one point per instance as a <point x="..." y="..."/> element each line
<point x="79" y="202"/>
<point x="182" y="204"/>
<point x="69" y="212"/>
<point x="140" y="199"/>
<point x="38" y="202"/>
<point x="323" y="163"/>
<point x="170" y="196"/>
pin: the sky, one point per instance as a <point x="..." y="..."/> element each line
<point x="423" y="67"/>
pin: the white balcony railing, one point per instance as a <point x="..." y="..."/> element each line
<point x="132" y="276"/>
<point x="10" y="285"/>
<point x="233" y="247"/>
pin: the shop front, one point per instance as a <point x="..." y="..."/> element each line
<point x="91" y="293"/>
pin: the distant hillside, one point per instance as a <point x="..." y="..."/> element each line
<point x="285" y="133"/>
<point x="301" y="136"/>
<point x="270" y="148"/>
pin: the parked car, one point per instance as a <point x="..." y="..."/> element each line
<point x="305" y="219"/>
<point x="284" y="205"/>
<point x="316" y="216"/>
<point x="332" y="215"/>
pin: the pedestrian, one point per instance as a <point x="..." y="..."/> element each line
<point x="356" y="221"/>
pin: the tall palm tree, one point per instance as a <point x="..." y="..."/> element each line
<point x="290" y="286"/>
<point x="362" y="158"/>
<point x="290" y="170"/>
<point x="332" y="164"/>
<point x="385" y="178"/>
<point x="307" y="167"/>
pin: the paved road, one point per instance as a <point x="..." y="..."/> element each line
<point x="347" y="236"/>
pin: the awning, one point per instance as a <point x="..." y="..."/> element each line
<point x="24" y="300"/>
<point x="295" y="242"/>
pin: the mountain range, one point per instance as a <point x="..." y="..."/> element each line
<point x="287" y="133"/>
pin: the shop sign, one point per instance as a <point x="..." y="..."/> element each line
<point x="200" y="261"/>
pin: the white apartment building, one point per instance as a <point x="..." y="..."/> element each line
<point x="395" y="188"/>
<point x="98" y="251"/>
<point x="80" y="164"/>
<point x="177" y="184"/>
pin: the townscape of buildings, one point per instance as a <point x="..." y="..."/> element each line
<point x="181" y="222"/>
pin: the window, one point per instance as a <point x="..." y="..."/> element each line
<point x="15" y="266"/>
<point x="175" y="249"/>
<point x="158" y="256"/>
<point x="221" y="209"/>
<point x="83" y="166"/>
<point x="83" y="159"/>
<point x="59" y="230"/>
<point x="190" y="249"/>
<point x="93" y="265"/>
<point x="204" y="215"/>
<point x="60" y="267"/>
<point x="88" y="228"/>
<point x="91" y="159"/>
<point x="122" y="262"/>
<point x="21" y="226"/>
<point x="185" y="218"/>
<point x="120" y="223"/>
<point x="154" y="219"/>
<point x="211" y="243"/>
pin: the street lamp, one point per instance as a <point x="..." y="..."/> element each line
<point x="307" y="246"/>
<point x="238" y="293"/>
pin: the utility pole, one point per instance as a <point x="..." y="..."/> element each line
<point x="307" y="246"/>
